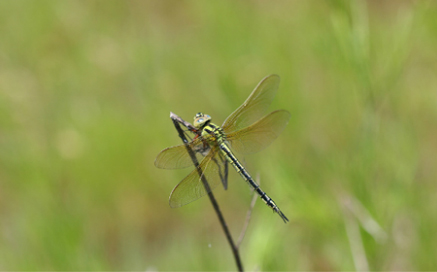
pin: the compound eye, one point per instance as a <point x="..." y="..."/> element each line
<point x="200" y="120"/>
<point x="208" y="116"/>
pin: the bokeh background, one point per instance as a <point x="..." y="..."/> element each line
<point x="86" y="88"/>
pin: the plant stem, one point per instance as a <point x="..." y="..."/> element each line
<point x="177" y="121"/>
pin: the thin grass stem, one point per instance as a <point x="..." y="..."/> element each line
<point x="177" y="121"/>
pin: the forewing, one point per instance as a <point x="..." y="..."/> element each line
<point x="259" y="135"/>
<point x="175" y="157"/>
<point x="191" y="187"/>
<point x="255" y="105"/>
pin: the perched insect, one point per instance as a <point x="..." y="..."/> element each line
<point x="245" y="131"/>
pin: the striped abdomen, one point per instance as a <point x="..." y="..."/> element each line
<point x="214" y="134"/>
<point x="242" y="171"/>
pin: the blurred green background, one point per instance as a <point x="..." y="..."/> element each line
<point x="86" y="88"/>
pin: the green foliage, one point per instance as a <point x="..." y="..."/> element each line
<point x="86" y="88"/>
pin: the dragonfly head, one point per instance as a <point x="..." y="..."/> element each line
<point x="201" y="119"/>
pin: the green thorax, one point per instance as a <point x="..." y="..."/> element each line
<point x="211" y="132"/>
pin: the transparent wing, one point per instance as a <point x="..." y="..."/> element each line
<point x="255" y="105"/>
<point x="175" y="157"/>
<point x="259" y="135"/>
<point x="191" y="187"/>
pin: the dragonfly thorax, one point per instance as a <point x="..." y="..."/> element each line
<point x="200" y="120"/>
<point x="213" y="134"/>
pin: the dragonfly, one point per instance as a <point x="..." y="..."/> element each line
<point x="247" y="130"/>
